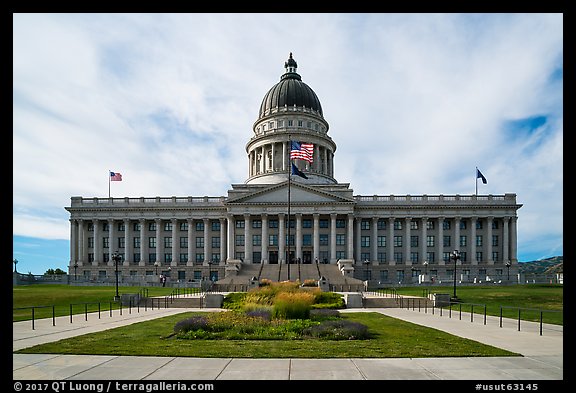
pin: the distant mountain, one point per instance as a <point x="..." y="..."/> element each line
<point x="543" y="266"/>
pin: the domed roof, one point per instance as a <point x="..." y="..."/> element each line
<point x="290" y="91"/>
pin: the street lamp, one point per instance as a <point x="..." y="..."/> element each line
<point x="508" y="268"/>
<point x="366" y="263"/>
<point x="75" y="267"/>
<point x="116" y="258"/>
<point x="156" y="266"/>
<point x="455" y="256"/>
<point x="425" y="268"/>
<point x="15" y="262"/>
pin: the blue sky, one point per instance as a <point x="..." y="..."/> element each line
<point x="415" y="102"/>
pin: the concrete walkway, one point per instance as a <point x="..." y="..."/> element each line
<point x="542" y="355"/>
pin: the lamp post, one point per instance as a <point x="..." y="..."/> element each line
<point x="366" y="264"/>
<point x="75" y="267"/>
<point x="116" y="258"/>
<point x="455" y="256"/>
<point x="15" y="262"/>
<point x="508" y="268"/>
<point x="156" y="267"/>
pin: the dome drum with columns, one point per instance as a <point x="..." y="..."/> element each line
<point x="289" y="111"/>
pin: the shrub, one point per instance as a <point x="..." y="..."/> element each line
<point x="310" y="283"/>
<point x="338" y="330"/>
<point x="293" y="305"/>
<point x="320" y="314"/>
<point x="199" y="322"/>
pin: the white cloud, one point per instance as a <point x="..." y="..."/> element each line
<point x="414" y="101"/>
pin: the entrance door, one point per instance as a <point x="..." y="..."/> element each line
<point x="306" y="256"/>
<point x="273" y="257"/>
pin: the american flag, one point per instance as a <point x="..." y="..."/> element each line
<point x="302" y="151"/>
<point x="115" y="176"/>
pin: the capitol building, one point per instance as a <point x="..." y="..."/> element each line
<point x="291" y="215"/>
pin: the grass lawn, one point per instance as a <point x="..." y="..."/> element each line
<point x="61" y="296"/>
<point x="390" y="338"/>
<point x="531" y="298"/>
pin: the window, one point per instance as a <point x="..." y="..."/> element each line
<point x="105" y="242"/>
<point x="137" y="257"/>
<point x="184" y="226"/>
<point x="307" y="240"/>
<point x="340" y="254"/>
<point x="105" y="257"/>
<point x="216" y="225"/>
<point x="168" y="257"/>
<point x="383" y="275"/>
<point x="414" y="257"/>
<point x="340" y="240"/>
<point x="290" y="123"/>
<point x="257" y="224"/>
<point x="199" y="225"/>
<point x="365" y="224"/>
<point x="307" y="223"/>
<point x="152" y="242"/>
<point x="479" y="256"/>
<point x="429" y="224"/>
<point x="340" y="223"/>
<point x="90" y="227"/>
<point x="446" y="225"/>
<point x="462" y="224"/>
<point x="494" y="224"/>
<point x="272" y="240"/>
<point x="200" y="257"/>
<point x="430" y="241"/>
<point x="273" y="224"/>
<point x="300" y="123"/>
<point x="398" y="257"/>
<point x="495" y="256"/>
<point x="397" y="241"/>
<point x="323" y="239"/>
<point x="463" y="241"/>
<point x="309" y="124"/>
<point x="152" y="226"/>
<point x="413" y="241"/>
<point x="121" y="242"/>
<point x="105" y="227"/>
<point x="381" y="257"/>
<point x="136" y="242"/>
<point x="168" y="226"/>
<point x="381" y="241"/>
<point x="494" y="240"/>
<point x="152" y="257"/>
<point x="479" y="240"/>
<point x="323" y="223"/>
<point x="397" y="224"/>
<point x="167" y="242"/>
<point x="280" y="123"/>
<point x="239" y="223"/>
<point x="199" y="242"/>
<point x="137" y="227"/>
<point x="478" y="224"/>
<point x="430" y="256"/>
<point x="239" y="240"/>
<point x="365" y="241"/>
<point x="216" y="242"/>
<point x="183" y="258"/>
<point x="121" y="227"/>
<point x="365" y="256"/>
<point x="256" y="240"/>
<point x="90" y="242"/>
<point x="381" y="224"/>
<point x="256" y="257"/>
<point x="413" y="224"/>
<point x="183" y="242"/>
<point x="447" y="241"/>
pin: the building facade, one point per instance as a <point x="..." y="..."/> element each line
<point x="390" y="239"/>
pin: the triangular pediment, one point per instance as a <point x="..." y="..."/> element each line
<point x="278" y="194"/>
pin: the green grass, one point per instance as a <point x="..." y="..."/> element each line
<point x="61" y="296"/>
<point x="533" y="296"/>
<point x="390" y="338"/>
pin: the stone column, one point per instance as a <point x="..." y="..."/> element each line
<point x="97" y="243"/>
<point x="333" y="238"/>
<point x="456" y="234"/>
<point x="505" y="240"/>
<point x="407" y="244"/>
<point x="374" y="241"/>
<point x="128" y="252"/>
<point x="265" y="238"/>
<point x="231" y="237"/>
<point x="207" y="244"/>
<point x="488" y="240"/>
<point x="513" y="239"/>
<point x="390" y="242"/>
<point x="350" y="240"/>
<point x="316" y="237"/>
<point x="223" y="257"/>
<point x="81" y="242"/>
<point x="473" y="260"/>
<point x="247" y="239"/>
<point x="143" y="243"/>
<point x="191" y="243"/>
<point x="73" y="242"/>
<point x="358" y="248"/>
<point x="424" y="245"/>
<point x="299" y="236"/>
<point x="175" y="242"/>
<point x="281" y="239"/>
<point x="440" y="245"/>
<point x="159" y="242"/>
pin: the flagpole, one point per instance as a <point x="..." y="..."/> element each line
<point x="476" y="175"/>
<point x="109" y="183"/>
<point x="289" y="177"/>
